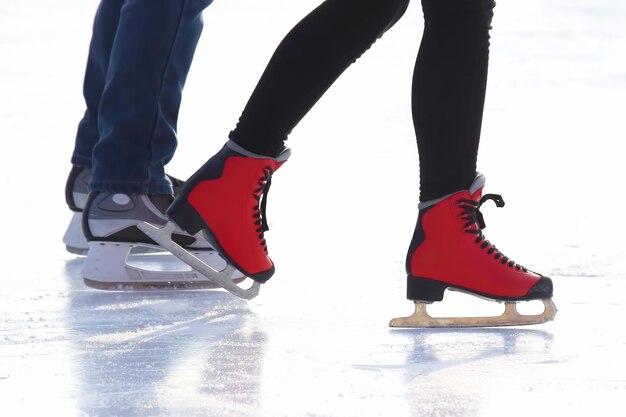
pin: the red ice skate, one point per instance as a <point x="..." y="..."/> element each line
<point x="449" y="251"/>
<point x="225" y="200"/>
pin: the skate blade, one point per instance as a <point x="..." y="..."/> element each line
<point x="73" y="238"/>
<point x="153" y="285"/>
<point x="163" y="236"/>
<point x="137" y="250"/>
<point x="112" y="266"/>
<point x="510" y="317"/>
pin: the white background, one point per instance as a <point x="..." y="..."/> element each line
<point x="316" y="341"/>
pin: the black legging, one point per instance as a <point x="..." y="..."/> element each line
<point x="448" y="85"/>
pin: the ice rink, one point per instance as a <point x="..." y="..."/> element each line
<point x="316" y="341"/>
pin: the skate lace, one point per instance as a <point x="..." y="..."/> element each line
<point x="260" y="195"/>
<point x="471" y="213"/>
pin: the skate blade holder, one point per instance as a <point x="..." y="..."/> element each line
<point x="163" y="236"/>
<point x="511" y="317"/>
<point x="108" y="266"/>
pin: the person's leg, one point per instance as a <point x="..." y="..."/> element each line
<point x="448" y="248"/>
<point x="148" y="65"/>
<point x="76" y="193"/>
<point x="104" y="29"/>
<point x="139" y="56"/>
<point x="226" y="197"/>
<point x="151" y="56"/>
<point x="449" y="85"/>
<point x="306" y="63"/>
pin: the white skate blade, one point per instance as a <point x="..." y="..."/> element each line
<point x="108" y="266"/>
<point x="73" y="238"/>
<point x="510" y="317"/>
<point x="163" y="236"/>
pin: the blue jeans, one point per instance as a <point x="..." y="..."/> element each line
<point x="139" y="57"/>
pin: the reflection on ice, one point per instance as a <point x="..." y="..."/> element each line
<point x="162" y="352"/>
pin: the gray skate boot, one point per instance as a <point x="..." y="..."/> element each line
<point x="110" y="222"/>
<point x="76" y="195"/>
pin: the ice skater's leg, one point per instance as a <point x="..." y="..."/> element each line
<point x="139" y="57"/>
<point x="306" y="63"/>
<point x="448" y="249"/>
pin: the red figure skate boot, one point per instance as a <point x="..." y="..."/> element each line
<point x="449" y="250"/>
<point x="226" y="200"/>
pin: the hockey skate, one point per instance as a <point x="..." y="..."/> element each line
<point x="76" y="195"/>
<point x="110" y="226"/>
<point x="239" y="180"/>
<point x="449" y="251"/>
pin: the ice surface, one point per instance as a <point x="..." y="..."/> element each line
<point x="316" y="341"/>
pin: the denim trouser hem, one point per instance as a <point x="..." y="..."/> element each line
<point x="81" y="161"/>
<point x="131" y="187"/>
